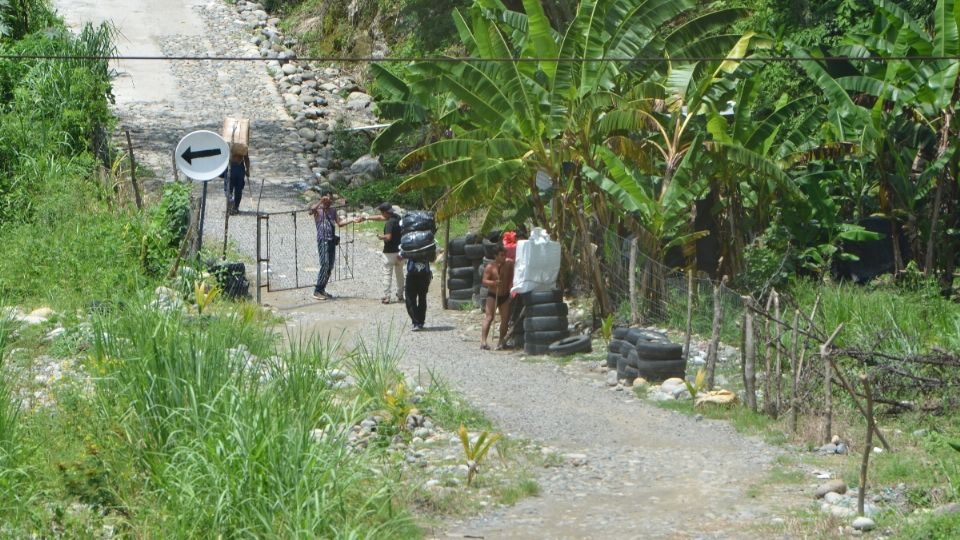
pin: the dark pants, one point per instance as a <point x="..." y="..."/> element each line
<point x="233" y="189"/>
<point x="415" y="290"/>
<point x="327" y="252"/>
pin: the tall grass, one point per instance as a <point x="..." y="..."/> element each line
<point x="229" y="451"/>
<point x="896" y="320"/>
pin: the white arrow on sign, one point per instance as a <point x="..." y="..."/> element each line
<point x="202" y="155"/>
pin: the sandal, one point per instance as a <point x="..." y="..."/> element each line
<point x="484" y="347"/>
<point x="385" y="300"/>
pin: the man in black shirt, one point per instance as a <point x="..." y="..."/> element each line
<point x="392" y="264"/>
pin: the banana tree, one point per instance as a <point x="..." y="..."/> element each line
<point x="898" y="107"/>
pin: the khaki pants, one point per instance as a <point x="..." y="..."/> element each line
<point x="392" y="268"/>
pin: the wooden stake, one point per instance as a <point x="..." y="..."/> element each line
<point x="828" y="385"/>
<point x="748" y="355"/>
<point x="767" y="357"/>
<point x="133" y="172"/>
<point x="690" y="297"/>
<point x="856" y="402"/>
<point x="714" y="348"/>
<point x="865" y="381"/>
<point x="634" y="313"/>
<point x="446" y="263"/>
<point x="778" y="371"/>
<point x="795" y="375"/>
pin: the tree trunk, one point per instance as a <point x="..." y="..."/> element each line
<point x="748" y="356"/>
<point x="634" y="314"/>
<point x="713" y="349"/>
<point x="942" y="179"/>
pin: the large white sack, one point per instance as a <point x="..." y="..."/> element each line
<point x="537" y="263"/>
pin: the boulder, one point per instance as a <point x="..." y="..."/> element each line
<point x="367" y="164"/>
<point x="833" y="486"/>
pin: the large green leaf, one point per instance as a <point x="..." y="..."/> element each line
<point x="678" y="42"/>
<point x="541" y="36"/>
<point x="946" y="35"/>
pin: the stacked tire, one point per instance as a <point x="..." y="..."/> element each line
<point x="636" y="352"/>
<point x="545" y="320"/>
<point x="417" y="242"/>
<point x="461" y="272"/>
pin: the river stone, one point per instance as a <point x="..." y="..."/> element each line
<point x="611" y="378"/>
<point x="952" y="508"/>
<point x="289" y="68"/>
<point x="368" y="165"/>
<point x="863" y="524"/>
<point x="833" y="486"/>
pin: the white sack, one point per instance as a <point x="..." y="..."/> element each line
<point x="537" y="263"/>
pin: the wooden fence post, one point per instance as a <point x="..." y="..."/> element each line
<point x="634" y="313"/>
<point x="749" y="356"/>
<point x="690" y="298"/>
<point x="794" y="374"/>
<point x="778" y="370"/>
<point x="767" y="357"/>
<point x="828" y="384"/>
<point x="868" y="393"/>
<point x="133" y="172"/>
<point x="713" y="349"/>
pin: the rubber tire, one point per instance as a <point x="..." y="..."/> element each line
<point x="459" y="261"/>
<point x="540" y="324"/>
<point x="626" y="371"/>
<point x="488" y="248"/>
<point x="460" y="273"/>
<point x="571" y="345"/>
<point x="458" y="304"/>
<point x="553" y="296"/>
<point x="558" y="309"/>
<point x="459" y="283"/>
<point x="635" y="334"/>
<point x="534" y="349"/>
<point x="474" y="252"/>
<point x="620" y="332"/>
<point x="631" y="358"/>
<point x="658" y="350"/>
<point x="460" y="294"/>
<point x="545" y="337"/>
<point x="662" y="369"/>
<point x="455" y="246"/>
<point x="620" y="346"/>
<point x="612" y="359"/>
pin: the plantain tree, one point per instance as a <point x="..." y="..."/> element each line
<point x="896" y="103"/>
<point x="532" y="103"/>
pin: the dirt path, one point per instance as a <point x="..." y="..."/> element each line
<point x="632" y="470"/>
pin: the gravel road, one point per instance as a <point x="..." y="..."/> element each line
<point x="633" y="470"/>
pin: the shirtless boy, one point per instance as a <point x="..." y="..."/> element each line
<point x="498" y="279"/>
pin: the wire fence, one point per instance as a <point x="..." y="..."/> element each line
<point x="290" y="250"/>
<point x="644" y="291"/>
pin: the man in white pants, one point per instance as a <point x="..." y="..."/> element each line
<point x="392" y="264"/>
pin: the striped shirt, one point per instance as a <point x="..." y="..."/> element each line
<point x="325" y="219"/>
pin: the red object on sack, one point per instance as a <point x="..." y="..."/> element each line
<point x="509" y="240"/>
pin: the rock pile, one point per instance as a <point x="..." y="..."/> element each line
<point x="323" y="102"/>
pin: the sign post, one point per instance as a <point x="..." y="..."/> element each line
<point x="202" y="156"/>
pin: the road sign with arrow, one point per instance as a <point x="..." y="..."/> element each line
<point x="202" y="155"/>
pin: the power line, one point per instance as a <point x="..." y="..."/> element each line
<point x="470" y="59"/>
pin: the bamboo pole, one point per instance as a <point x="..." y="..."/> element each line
<point x="828" y="384"/>
<point x="634" y="313"/>
<point x="714" y="347"/>
<point x="868" y="392"/>
<point x="748" y="355"/>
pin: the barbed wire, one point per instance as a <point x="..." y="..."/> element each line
<point x="471" y="59"/>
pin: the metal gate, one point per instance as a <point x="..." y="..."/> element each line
<point x="287" y="246"/>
